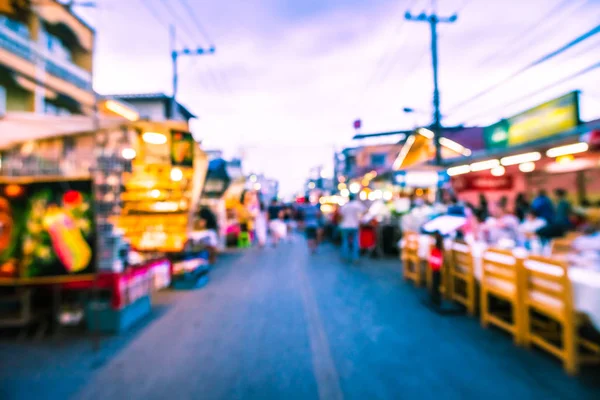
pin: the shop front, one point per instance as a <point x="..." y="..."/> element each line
<point x="94" y="205"/>
<point x="546" y="148"/>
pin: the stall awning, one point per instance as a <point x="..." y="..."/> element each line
<point x="570" y="136"/>
<point x="420" y="149"/>
<point x="18" y="127"/>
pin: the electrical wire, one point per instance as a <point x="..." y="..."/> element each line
<point x="197" y="22"/>
<point x="529" y="66"/>
<point x="185" y="29"/>
<point x="558" y="8"/>
<point x="382" y="58"/>
<point x="541" y="90"/>
<point x="147" y="5"/>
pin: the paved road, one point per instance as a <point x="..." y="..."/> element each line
<point x="282" y="324"/>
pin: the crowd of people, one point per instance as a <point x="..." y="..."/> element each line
<point x="529" y="222"/>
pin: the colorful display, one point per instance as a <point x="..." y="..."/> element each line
<point x="46" y="229"/>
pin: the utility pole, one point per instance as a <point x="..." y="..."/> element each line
<point x="433" y="20"/>
<point x="174" y="55"/>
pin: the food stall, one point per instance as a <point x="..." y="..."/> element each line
<point x="93" y="205"/>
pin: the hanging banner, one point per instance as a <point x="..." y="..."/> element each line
<point x="46" y="229"/>
<point x="541" y="122"/>
<point x="182" y="149"/>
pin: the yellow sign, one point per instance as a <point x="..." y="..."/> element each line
<point x="548" y="119"/>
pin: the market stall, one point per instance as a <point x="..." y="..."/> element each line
<point x="94" y="204"/>
<point x="546" y="147"/>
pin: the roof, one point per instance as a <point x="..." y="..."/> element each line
<point x="381" y="134"/>
<point x="18" y="127"/>
<point x="156" y="96"/>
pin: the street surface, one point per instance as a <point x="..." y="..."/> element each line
<point x="282" y="324"/>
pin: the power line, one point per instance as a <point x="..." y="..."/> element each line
<point x="541" y="90"/>
<point x="147" y="5"/>
<point x="519" y="38"/>
<point x="529" y="66"/>
<point x="197" y="22"/>
<point x="383" y="58"/>
<point x="176" y="18"/>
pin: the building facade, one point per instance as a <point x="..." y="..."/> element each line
<point x="46" y="59"/>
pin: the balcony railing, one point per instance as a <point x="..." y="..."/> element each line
<point x="33" y="52"/>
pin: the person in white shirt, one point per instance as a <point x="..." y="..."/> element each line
<point x="351" y="214"/>
<point x="529" y="227"/>
<point x="502" y="226"/>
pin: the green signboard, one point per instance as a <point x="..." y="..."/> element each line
<point x="541" y="122"/>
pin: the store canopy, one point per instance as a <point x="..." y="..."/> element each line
<point x="18" y="127"/>
<point x="420" y="149"/>
<point x="579" y="133"/>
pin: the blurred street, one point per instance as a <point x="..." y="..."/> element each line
<point x="279" y="323"/>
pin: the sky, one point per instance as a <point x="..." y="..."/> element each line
<point x="289" y="77"/>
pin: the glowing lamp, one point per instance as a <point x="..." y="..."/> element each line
<point x="527" y="167"/>
<point x="498" y="171"/>
<point x="128" y="154"/>
<point x="176" y="174"/>
<point x="154" y="138"/>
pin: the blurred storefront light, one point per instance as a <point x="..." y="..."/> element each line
<point x="483" y="165"/>
<point x="498" y="171"/>
<point x="521" y="158"/>
<point x="527" y="167"/>
<point x="568" y="149"/>
<point x="459" y="170"/>
<point x="354" y="187"/>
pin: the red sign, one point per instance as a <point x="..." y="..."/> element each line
<point x="465" y="183"/>
<point x="357" y="124"/>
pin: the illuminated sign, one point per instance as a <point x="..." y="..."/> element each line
<point x="541" y="122"/>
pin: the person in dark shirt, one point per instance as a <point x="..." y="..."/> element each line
<point x="273" y="210"/>
<point x="521" y="206"/>
<point x="209" y="218"/>
<point x="542" y="205"/>
<point x="208" y="221"/>
<point x="563" y="210"/>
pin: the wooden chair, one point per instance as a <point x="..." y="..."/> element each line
<point x="547" y="291"/>
<point x="561" y="246"/>
<point x="411" y="262"/>
<point x="500" y="280"/>
<point x="461" y="269"/>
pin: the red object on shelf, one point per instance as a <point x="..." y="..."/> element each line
<point x="436" y="259"/>
<point x="118" y="283"/>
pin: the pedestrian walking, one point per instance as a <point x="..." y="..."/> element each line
<point x="351" y="213"/>
<point x="261" y="225"/>
<point x="312" y="223"/>
<point x="277" y="228"/>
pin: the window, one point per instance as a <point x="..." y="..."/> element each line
<point x="378" y="159"/>
<point x="56" y="47"/>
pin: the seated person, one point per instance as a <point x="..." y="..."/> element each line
<point x="529" y="228"/>
<point x="502" y="226"/>
<point x="208" y="222"/>
<point x="589" y="243"/>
